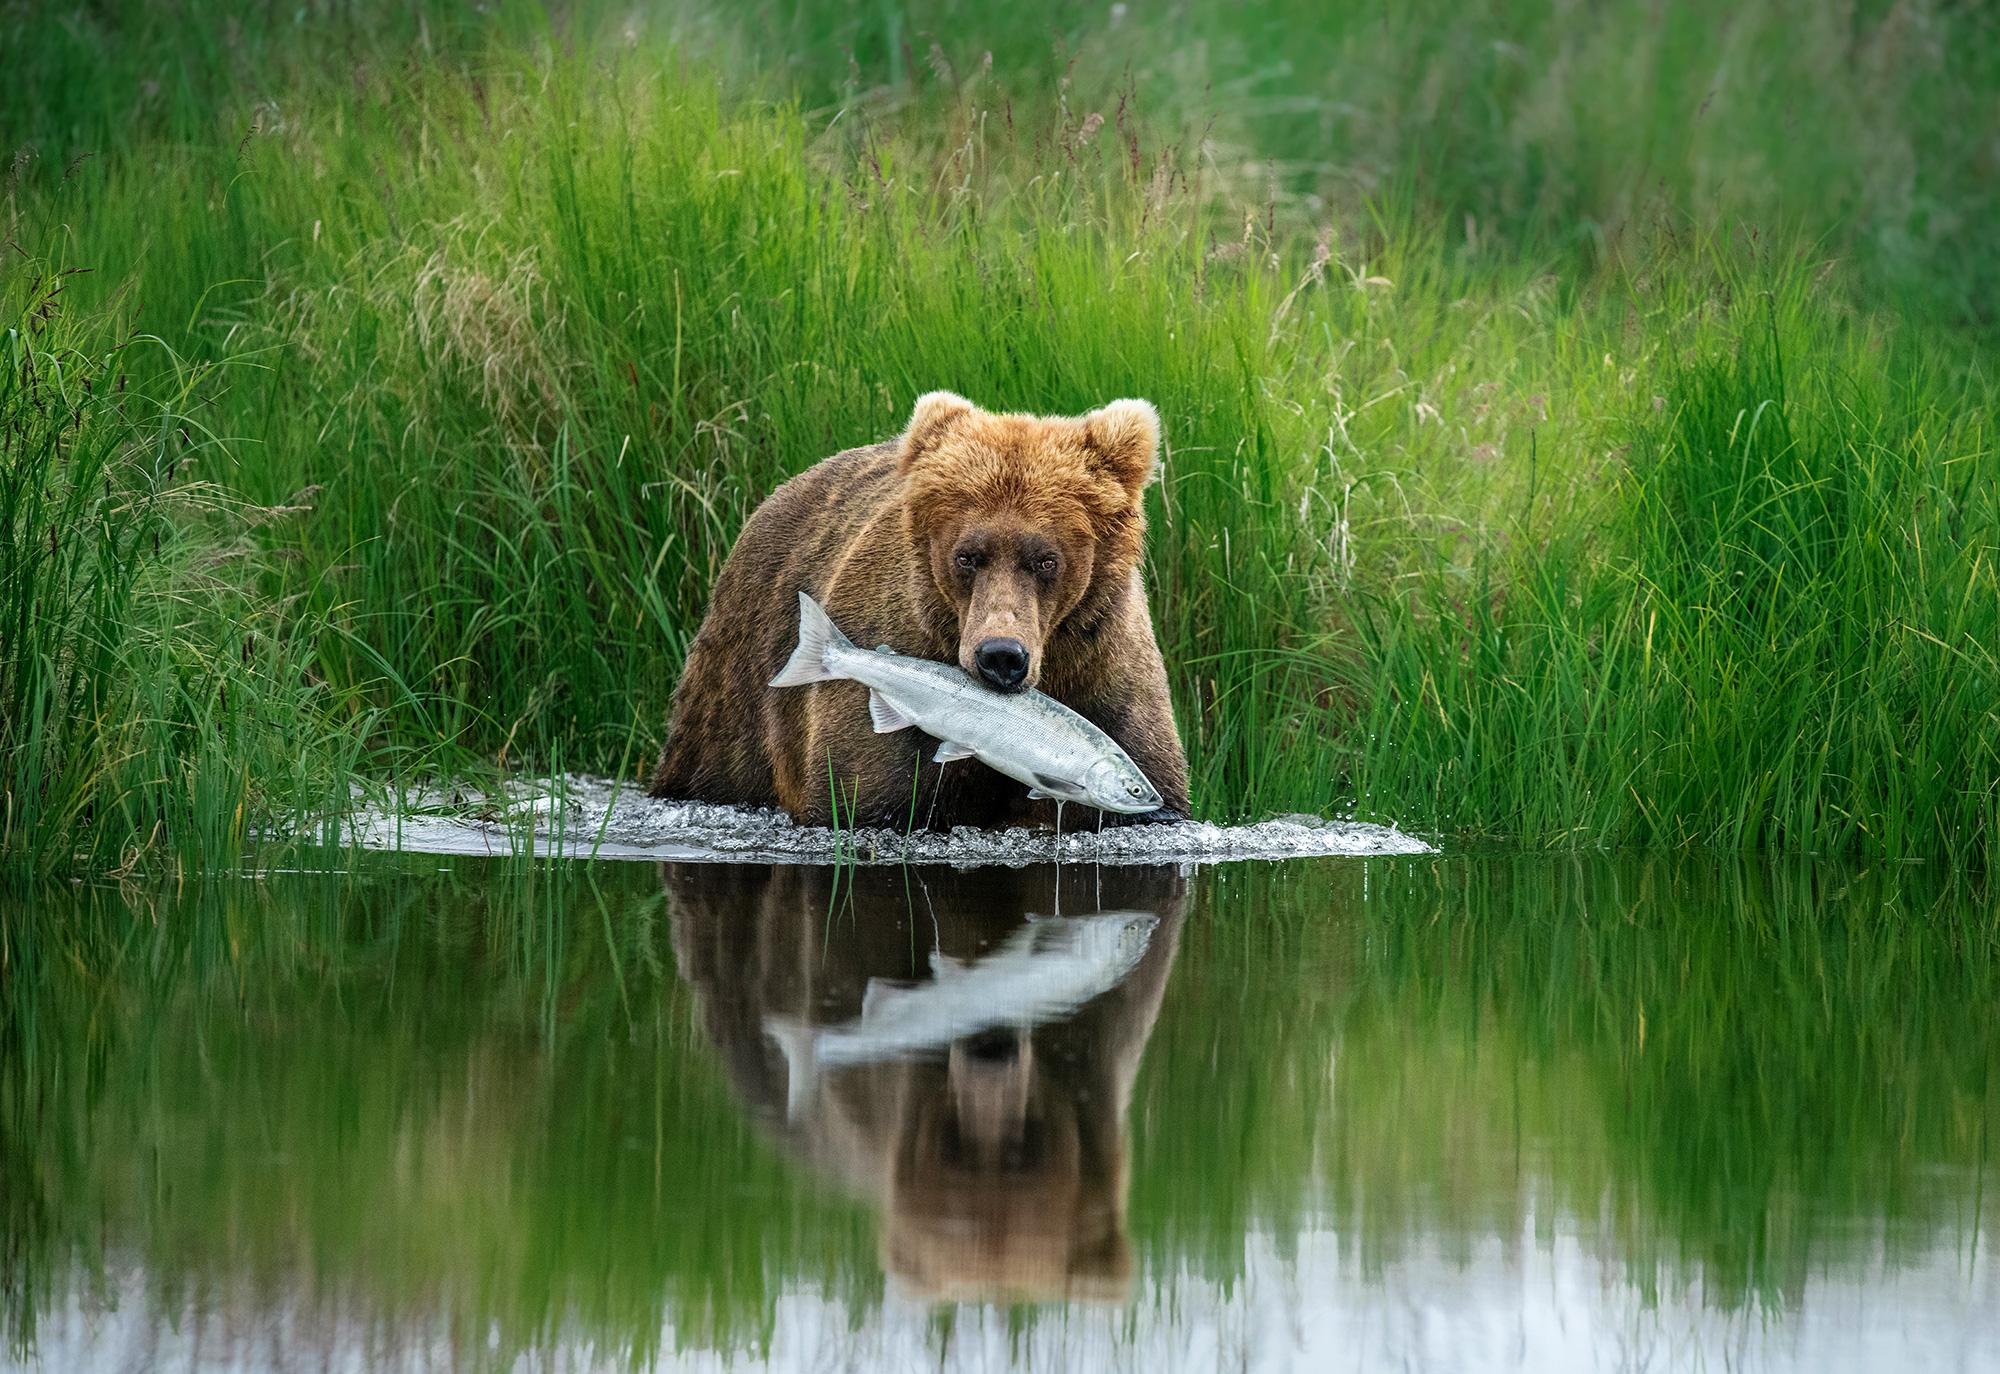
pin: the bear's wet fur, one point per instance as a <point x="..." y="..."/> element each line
<point x="972" y="528"/>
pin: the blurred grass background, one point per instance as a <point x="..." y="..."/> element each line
<point x="1579" y="417"/>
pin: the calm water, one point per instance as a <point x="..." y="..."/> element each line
<point x="1411" y="1113"/>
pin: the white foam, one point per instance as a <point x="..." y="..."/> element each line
<point x="594" y="817"/>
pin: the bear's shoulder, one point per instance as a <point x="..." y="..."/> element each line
<point x="852" y="479"/>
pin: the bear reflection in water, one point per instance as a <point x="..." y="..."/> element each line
<point x="996" y="1161"/>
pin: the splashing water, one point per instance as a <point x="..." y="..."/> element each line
<point x="594" y="817"/>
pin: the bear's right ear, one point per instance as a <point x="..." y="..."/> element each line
<point x="936" y="412"/>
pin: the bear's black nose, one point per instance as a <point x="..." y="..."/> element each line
<point x="1002" y="662"/>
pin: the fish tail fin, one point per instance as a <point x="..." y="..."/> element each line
<point x="818" y="638"/>
<point x="794" y="1039"/>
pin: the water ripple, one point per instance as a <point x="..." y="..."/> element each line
<point x="586" y="816"/>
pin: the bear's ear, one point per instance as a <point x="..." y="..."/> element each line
<point x="936" y="412"/>
<point x="1125" y="437"/>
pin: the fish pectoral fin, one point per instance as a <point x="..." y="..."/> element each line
<point x="950" y="751"/>
<point x="880" y="992"/>
<point x="1046" y="788"/>
<point x="947" y="966"/>
<point x="885" y="715"/>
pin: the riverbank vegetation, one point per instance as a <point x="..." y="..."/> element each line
<point x="1580" y="425"/>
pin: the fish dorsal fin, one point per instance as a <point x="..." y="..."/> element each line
<point x="1025" y="939"/>
<point x="949" y="751"/>
<point x="944" y="966"/>
<point x="881" y="993"/>
<point x="888" y="720"/>
<point x="884" y="649"/>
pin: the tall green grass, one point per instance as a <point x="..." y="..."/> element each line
<point x="154" y="705"/>
<point x="1517" y="121"/>
<point x="1779" y="635"/>
<point x="1600" y="516"/>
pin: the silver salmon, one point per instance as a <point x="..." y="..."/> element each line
<point x="1045" y="970"/>
<point x="1030" y="737"/>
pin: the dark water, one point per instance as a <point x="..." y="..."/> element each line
<point x="1353" y="1114"/>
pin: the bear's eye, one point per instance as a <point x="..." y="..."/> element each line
<point x="1046" y="565"/>
<point x="967" y="561"/>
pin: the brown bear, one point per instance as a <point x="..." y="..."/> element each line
<point x="1009" y="544"/>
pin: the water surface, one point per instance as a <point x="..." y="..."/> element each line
<point x="1385" y="1113"/>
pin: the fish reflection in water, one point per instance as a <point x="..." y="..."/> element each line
<point x="1045" y="970"/>
<point x="927" y="1046"/>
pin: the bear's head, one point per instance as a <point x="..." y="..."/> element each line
<point x="1006" y="1178"/>
<point x="1021" y="524"/>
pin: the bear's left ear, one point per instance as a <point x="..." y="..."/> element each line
<point x="1125" y="437"/>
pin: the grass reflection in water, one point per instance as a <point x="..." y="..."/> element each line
<point x="452" y="1115"/>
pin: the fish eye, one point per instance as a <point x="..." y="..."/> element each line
<point x="1135" y="789"/>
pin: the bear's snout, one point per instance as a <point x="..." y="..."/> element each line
<point x="1003" y="663"/>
